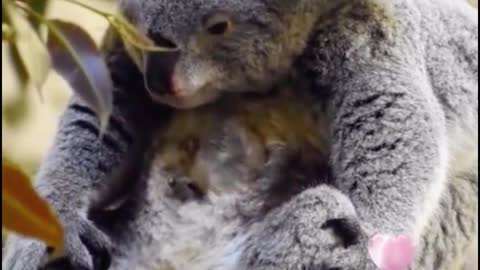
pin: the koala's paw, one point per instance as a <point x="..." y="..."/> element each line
<point x="86" y="248"/>
<point x="317" y="229"/>
<point x="23" y="254"/>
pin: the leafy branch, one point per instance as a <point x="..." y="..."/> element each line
<point x="71" y="52"/>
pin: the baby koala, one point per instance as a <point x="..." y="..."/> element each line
<point x="244" y="141"/>
<point x="220" y="173"/>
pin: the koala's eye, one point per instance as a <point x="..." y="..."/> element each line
<point x="218" y="24"/>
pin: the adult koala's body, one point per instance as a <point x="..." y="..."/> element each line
<point x="403" y="103"/>
<point x="400" y="80"/>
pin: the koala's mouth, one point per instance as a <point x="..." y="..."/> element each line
<point x="167" y="83"/>
<point x="179" y="92"/>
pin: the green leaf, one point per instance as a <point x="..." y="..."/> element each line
<point x="7" y="33"/>
<point x="4" y="12"/>
<point x="40" y="7"/>
<point x="77" y="59"/>
<point x="111" y="37"/>
<point x="20" y="71"/>
<point x="30" y="49"/>
<point x="25" y="212"/>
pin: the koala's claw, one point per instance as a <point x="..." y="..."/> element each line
<point x="86" y="248"/>
<point x="316" y="229"/>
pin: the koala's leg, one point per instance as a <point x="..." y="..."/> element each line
<point x="389" y="148"/>
<point x="448" y="239"/>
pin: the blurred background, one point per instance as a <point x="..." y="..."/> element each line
<point x="29" y="118"/>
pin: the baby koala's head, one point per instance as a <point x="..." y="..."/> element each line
<point x="223" y="45"/>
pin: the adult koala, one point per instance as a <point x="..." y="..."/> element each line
<point x="400" y="81"/>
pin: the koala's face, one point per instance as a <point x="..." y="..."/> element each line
<point x="224" y="45"/>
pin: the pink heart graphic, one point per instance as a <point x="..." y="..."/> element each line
<point x="390" y="253"/>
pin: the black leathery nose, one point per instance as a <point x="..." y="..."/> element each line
<point x="159" y="68"/>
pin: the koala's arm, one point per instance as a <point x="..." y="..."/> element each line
<point x="388" y="129"/>
<point x="395" y="105"/>
<point x="389" y="145"/>
<point x="79" y="158"/>
<point x="77" y="162"/>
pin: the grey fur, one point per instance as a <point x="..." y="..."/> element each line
<point x="402" y="79"/>
<point x="75" y="165"/>
<point x="403" y="101"/>
<point x="77" y="160"/>
<point x="212" y="234"/>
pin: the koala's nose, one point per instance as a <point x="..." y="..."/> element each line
<point x="159" y="69"/>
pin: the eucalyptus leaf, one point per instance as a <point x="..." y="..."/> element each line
<point x="19" y="69"/>
<point x="40" y="7"/>
<point x="77" y="59"/>
<point x="4" y="12"/>
<point x="111" y="37"/>
<point x="25" y="212"/>
<point x="7" y="33"/>
<point x="13" y="55"/>
<point x="136" y="55"/>
<point x="30" y="49"/>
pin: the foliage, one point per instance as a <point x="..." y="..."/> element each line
<point x="23" y="211"/>
<point x="38" y="44"/>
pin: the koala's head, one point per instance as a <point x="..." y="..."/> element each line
<point x="223" y="45"/>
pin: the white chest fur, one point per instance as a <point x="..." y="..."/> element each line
<point x="197" y="235"/>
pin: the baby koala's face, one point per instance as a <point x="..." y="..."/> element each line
<point x="223" y="46"/>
